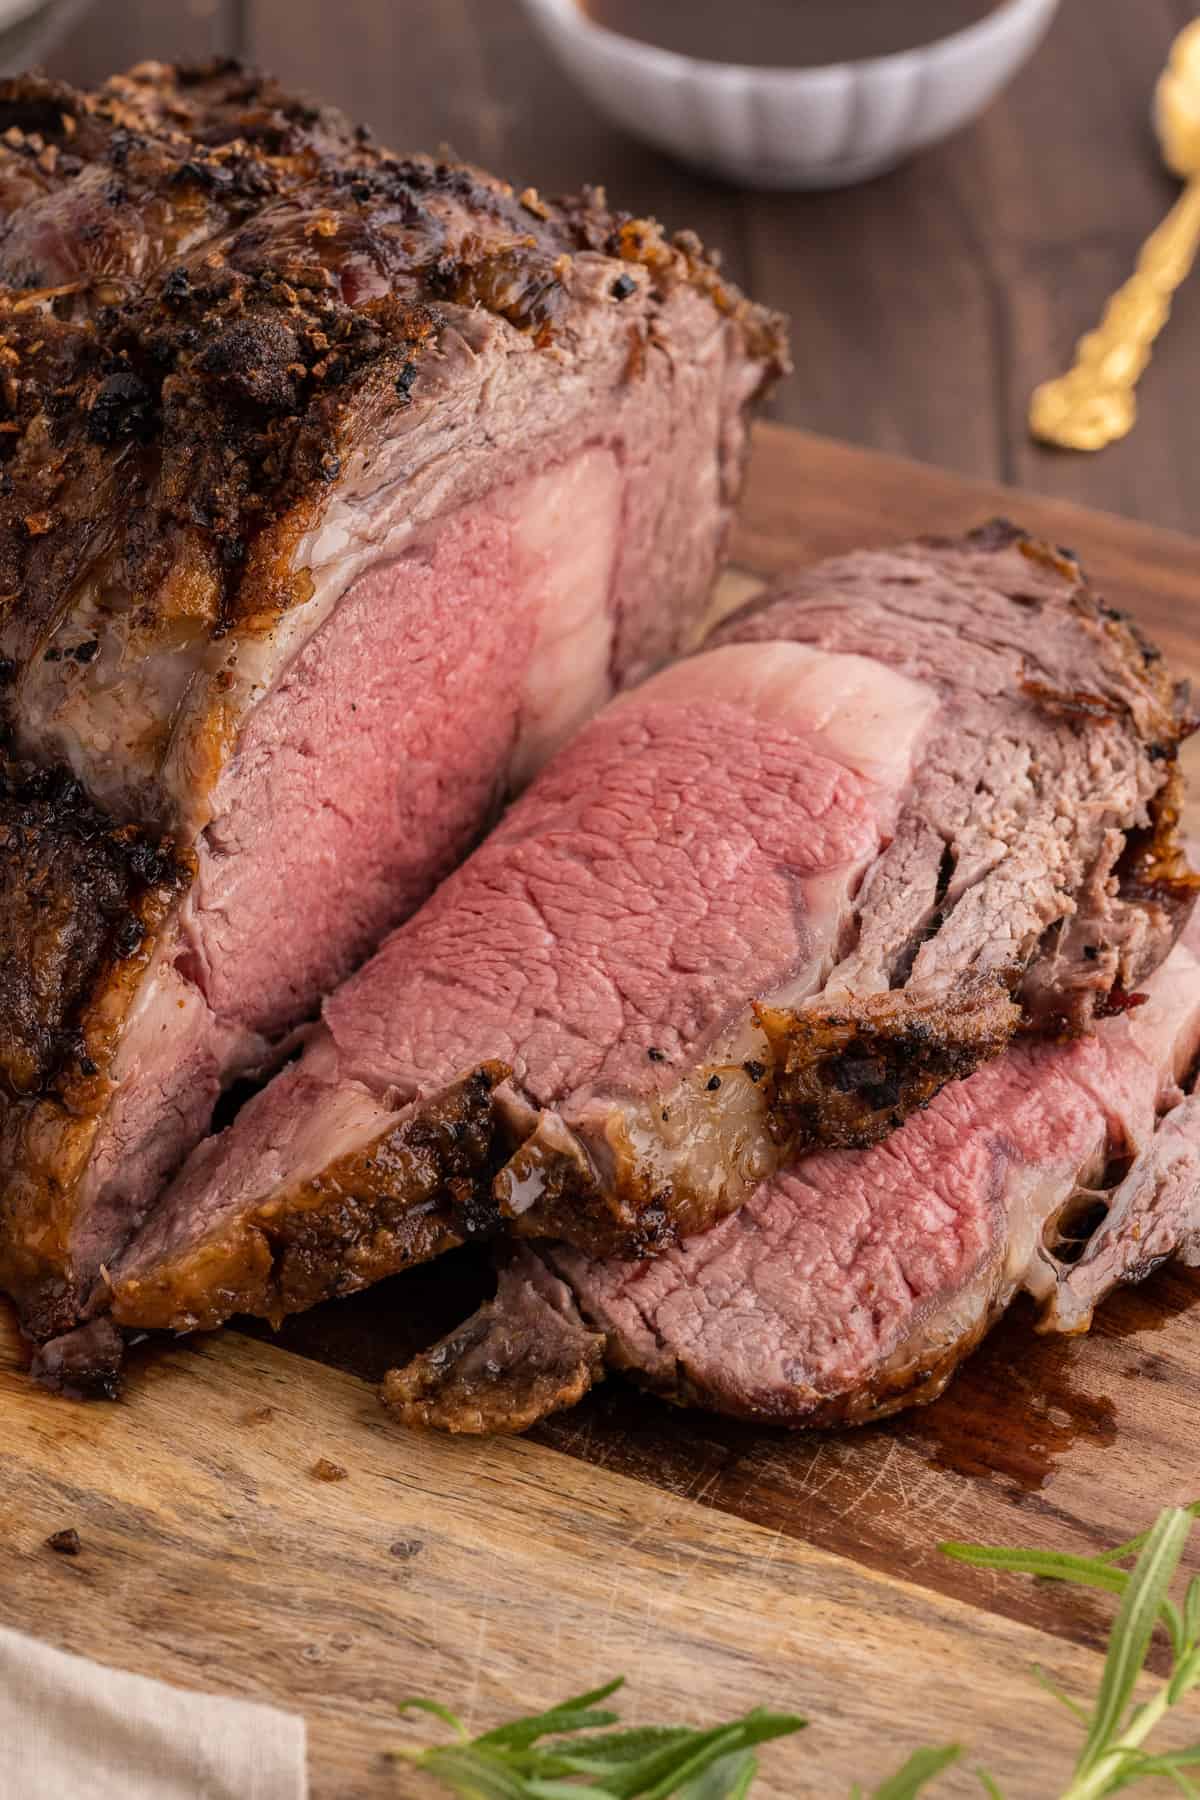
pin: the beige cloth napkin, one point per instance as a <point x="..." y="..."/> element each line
<point x="74" y="1730"/>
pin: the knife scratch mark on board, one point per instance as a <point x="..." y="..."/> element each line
<point x="481" y="1638"/>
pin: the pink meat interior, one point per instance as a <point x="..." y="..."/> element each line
<point x="845" y="1260"/>
<point x="357" y="783"/>
<point x="696" y="845"/>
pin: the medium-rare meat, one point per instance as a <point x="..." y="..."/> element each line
<point x="853" y="1283"/>
<point x="694" y="843"/>
<point x="337" y="487"/>
<point x="776" y="897"/>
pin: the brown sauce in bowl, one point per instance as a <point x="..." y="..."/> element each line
<point x="786" y="34"/>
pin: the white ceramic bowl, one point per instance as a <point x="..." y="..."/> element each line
<point x="793" y="128"/>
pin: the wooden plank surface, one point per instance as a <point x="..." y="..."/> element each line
<point x="497" y="1577"/>
<point x="926" y="304"/>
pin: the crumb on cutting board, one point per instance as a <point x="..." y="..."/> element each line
<point x="324" y="1470"/>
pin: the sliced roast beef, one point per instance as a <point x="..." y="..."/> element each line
<point x="852" y="1284"/>
<point x="1150" y="1217"/>
<point x="524" y="1355"/>
<point x="696" y="841"/>
<point x="338" y="487"/>
<point x="776" y="897"/>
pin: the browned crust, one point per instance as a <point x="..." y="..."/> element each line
<point x="79" y="897"/>
<point x="428" y="1394"/>
<point x="548" y="1189"/>
<point x="1154" y="869"/>
<point x="81" y="900"/>
<point x="504" y="1370"/>
<point x="403" y="1199"/>
<point x="850" y="1076"/>
<point x="264" y="279"/>
<point x="519" y="1358"/>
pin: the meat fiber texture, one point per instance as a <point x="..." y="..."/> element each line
<point x="853" y="1283"/>
<point x="775" y="898"/>
<point x="338" y="487"/>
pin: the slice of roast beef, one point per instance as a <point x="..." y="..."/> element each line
<point x="696" y="841"/>
<point x="524" y="1355"/>
<point x="852" y="1284"/>
<point x="338" y="487"/>
<point x="777" y="897"/>
<point x="1151" y="1217"/>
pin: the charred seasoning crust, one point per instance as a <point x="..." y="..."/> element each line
<point x="248" y="280"/>
<point x="849" y="1078"/>
<point x="617" y="1217"/>
<point x="842" y="1077"/>
<point x="79" y="899"/>
<point x="1153" y="869"/>
<point x="367" y="1215"/>
<point x="80" y="902"/>
<point x="513" y="1363"/>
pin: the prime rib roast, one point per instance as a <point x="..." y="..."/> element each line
<point x="337" y="487"/>
<point x="818" y="993"/>
<point x="854" y="1282"/>
<point x="772" y="900"/>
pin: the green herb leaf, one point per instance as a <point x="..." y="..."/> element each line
<point x="1184" y="1676"/>
<point x="1056" y="1693"/>
<point x="1191" y="1610"/>
<point x="920" y="1769"/>
<point x="653" y="1762"/>
<point x="473" y="1776"/>
<point x="1139" y="1613"/>
<point x="1170" y="1759"/>
<point x="577" y="1751"/>
<point x="1046" y="1565"/>
<point x="728" y="1779"/>
<point x="1133" y="1545"/>
<point x="416" y="1703"/>
<point x="595" y="1755"/>
<point x="662" y="1774"/>
<point x="570" y="1715"/>
<point x="1138" y="1766"/>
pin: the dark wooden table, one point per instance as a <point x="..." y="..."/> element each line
<point x="925" y="305"/>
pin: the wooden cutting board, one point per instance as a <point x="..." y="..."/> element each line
<point x="716" y="1565"/>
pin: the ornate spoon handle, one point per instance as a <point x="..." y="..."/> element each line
<point x="1093" y="404"/>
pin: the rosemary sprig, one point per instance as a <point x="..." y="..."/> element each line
<point x="516" y="1762"/>
<point x="578" y="1750"/>
<point x="1116" y="1729"/>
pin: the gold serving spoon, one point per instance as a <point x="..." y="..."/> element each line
<point x="1094" y="403"/>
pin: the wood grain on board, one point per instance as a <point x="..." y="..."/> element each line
<point x="926" y="304"/>
<point x="497" y="1577"/>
